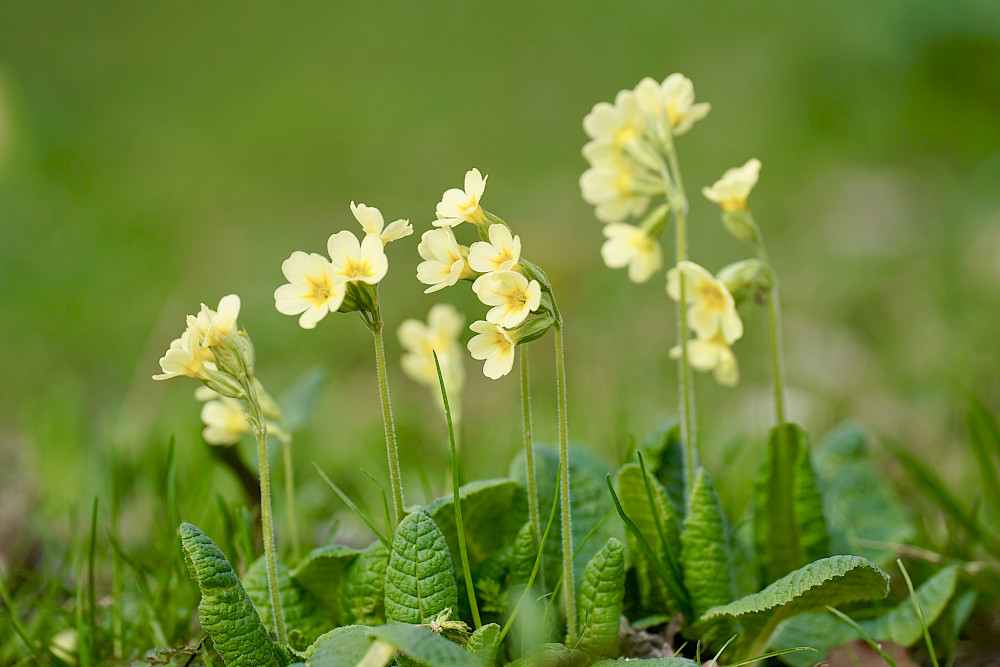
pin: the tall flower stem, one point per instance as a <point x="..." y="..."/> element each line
<point x="260" y="431"/>
<point x="569" y="590"/>
<point x="395" y="477"/>
<point x="529" y="452"/>
<point x="285" y="438"/>
<point x="678" y="203"/>
<point x="774" y="336"/>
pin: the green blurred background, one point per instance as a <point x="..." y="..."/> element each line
<point x="156" y="155"/>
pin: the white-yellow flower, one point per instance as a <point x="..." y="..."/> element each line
<point x="184" y="357"/>
<point x="225" y="421"/>
<point x="444" y="260"/>
<point x="631" y="246"/>
<point x="680" y="107"/>
<point x="458" y="206"/>
<point x="494" y="345"/>
<point x="612" y="126"/>
<point x="611" y="188"/>
<point x="711" y="308"/>
<point x="712" y="354"/>
<point x="373" y="223"/>
<point x="314" y="288"/>
<point x="364" y="262"/>
<point x="731" y="191"/>
<point x="221" y="322"/>
<point x="440" y="334"/>
<point x="511" y="295"/>
<point x="501" y="253"/>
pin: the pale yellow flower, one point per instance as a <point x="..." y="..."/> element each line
<point x="631" y="246"/>
<point x="314" y="288"/>
<point x="712" y="354"/>
<point x="184" y="358"/>
<point x="225" y="421"/>
<point x="373" y="223"/>
<point x="680" y="107"/>
<point x="611" y="188"/>
<point x="221" y="322"/>
<point x="511" y="295"/>
<point x="494" y="345"/>
<point x="612" y="126"/>
<point x="731" y="191"/>
<point x="363" y="262"/>
<point x="440" y="334"/>
<point x="444" y="260"/>
<point x="501" y="253"/>
<point x="711" y="308"/>
<point x="457" y="206"/>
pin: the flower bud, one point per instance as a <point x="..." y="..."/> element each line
<point x="656" y="221"/>
<point x="532" y="329"/>
<point x="747" y="277"/>
<point x="223" y="383"/>
<point x="740" y="225"/>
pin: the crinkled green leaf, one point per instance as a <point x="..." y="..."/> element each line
<point x="341" y="647"/>
<point x="493" y="510"/>
<point x="484" y="643"/>
<point x="705" y="556"/>
<point x="600" y="599"/>
<point x="323" y="571"/>
<point x="664" y="454"/>
<point x="306" y="618"/>
<point x="899" y="624"/>
<point x="226" y="612"/>
<point x="363" y="594"/>
<point x="789" y="527"/>
<point x="420" y="578"/>
<point x="857" y="502"/>
<point x="522" y="557"/>
<point x="424" y="646"/>
<point x="834" y="581"/>
<point x="590" y="502"/>
<point x="631" y="491"/>
<point x="647" y="662"/>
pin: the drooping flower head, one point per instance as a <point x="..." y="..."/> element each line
<point x="494" y="345"/>
<point x="374" y="224"/>
<point x="444" y="260"/>
<point x="457" y="206"/>
<point x="501" y="253"/>
<point x="511" y="294"/>
<point x="633" y="247"/>
<point x="711" y="308"/>
<point x="731" y="191"/>
<point x="314" y="288"/>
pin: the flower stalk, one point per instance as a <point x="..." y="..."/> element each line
<point x="395" y="477"/>
<point x="569" y="590"/>
<point x="529" y="452"/>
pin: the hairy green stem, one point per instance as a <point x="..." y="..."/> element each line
<point x="569" y="590"/>
<point x="774" y="336"/>
<point x="395" y="477"/>
<point x="529" y="453"/>
<point x="286" y="451"/>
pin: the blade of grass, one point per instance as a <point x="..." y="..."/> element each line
<point x="920" y="613"/>
<point x="864" y="635"/>
<point x="117" y="628"/>
<point x="772" y="654"/>
<point x="463" y="551"/>
<point x="82" y="636"/>
<point x="715" y="660"/>
<point x="11" y="615"/>
<point x="676" y="589"/>
<point x="354" y="508"/>
<point x="675" y="567"/>
<point x="385" y="504"/>
<point x="144" y="591"/>
<point x="91" y="585"/>
<point x="984" y="440"/>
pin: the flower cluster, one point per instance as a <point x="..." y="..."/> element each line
<point x="631" y="144"/>
<point x="317" y="286"/>
<point x="711" y="315"/>
<point x="512" y="287"/>
<point x="439" y="335"/>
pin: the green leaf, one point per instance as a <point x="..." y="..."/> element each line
<point x="664" y="454"/>
<point x="647" y="662"/>
<point x="837" y="580"/>
<point x="984" y="439"/>
<point x="600" y="599"/>
<point x="899" y="624"/>
<point x="552" y="655"/>
<point x="425" y="646"/>
<point x="323" y="571"/>
<point x="705" y="556"/>
<point x="298" y="401"/>
<point x="339" y="647"/>
<point x="484" y="643"/>
<point x="589" y="504"/>
<point x="654" y="594"/>
<point x="420" y="578"/>
<point x="522" y="556"/>
<point x="305" y="615"/>
<point x="857" y="502"/>
<point x="493" y="511"/>
<point x="363" y="594"/>
<point x="226" y="612"/>
<point x="789" y="527"/>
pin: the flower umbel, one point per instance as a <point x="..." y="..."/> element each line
<point x="457" y="206"/>
<point x="314" y="288"/>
